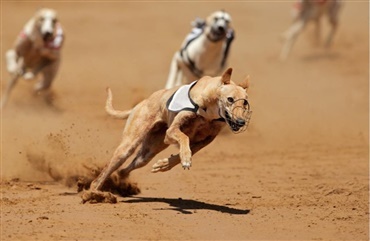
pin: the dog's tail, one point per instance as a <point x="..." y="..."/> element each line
<point x="111" y="111"/>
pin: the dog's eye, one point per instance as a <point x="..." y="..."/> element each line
<point x="54" y="21"/>
<point x="230" y="99"/>
<point x="216" y="19"/>
<point x="245" y="102"/>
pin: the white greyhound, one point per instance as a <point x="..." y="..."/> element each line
<point x="36" y="50"/>
<point x="204" y="51"/>
<point x="311" y="10"/>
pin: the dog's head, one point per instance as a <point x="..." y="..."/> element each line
<point x="218" y="24"/>
<point x="46" y="20"/>
<point x="233" y="102"/>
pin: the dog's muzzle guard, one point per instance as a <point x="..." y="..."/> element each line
<point x="238" y="122"/>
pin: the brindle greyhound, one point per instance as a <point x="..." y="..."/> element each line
<point x="190" y="116"/>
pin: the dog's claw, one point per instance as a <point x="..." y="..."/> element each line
<point x="186" y="165"/>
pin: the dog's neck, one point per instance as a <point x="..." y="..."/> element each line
<point x="204" y="94"/>
<point x="212" y="43"/>
<point x="213" y="40"/>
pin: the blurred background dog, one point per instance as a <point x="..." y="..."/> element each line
<point x="36" y="50"/>
<point x="204" y="51"/>
<point x="306" y="11"/>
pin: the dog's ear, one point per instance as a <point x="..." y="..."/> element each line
<point x="246" y="82"/>
<point x="226" y="77"/>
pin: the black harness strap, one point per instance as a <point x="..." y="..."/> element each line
<point x="190" y="64"/>
<point x="220" y="119"/>
<point x="194" y="109"/>
<point x="229" y="38"/>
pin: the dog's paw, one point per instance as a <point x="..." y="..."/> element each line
<point x="185" y="157"/>
<point x="28" y="76"/>
<point x="98" y="197"/>
<point x="161" y="166"/>
<point x="186" y="164"/>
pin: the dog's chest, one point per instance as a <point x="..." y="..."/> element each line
<point x="198" y="129"/>
<point x="207" y="57"/>
<point x="32" y="58"/>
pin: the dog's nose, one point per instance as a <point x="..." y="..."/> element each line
<point x="47" y="35"/>
<point x="221" y="28"/>
<point x="240" y="122"/>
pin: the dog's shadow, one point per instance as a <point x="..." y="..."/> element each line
<point x="186" y="205"/>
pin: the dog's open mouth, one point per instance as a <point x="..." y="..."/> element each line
<point x="240" y="124"/>
<point x="218" y="32"/>
<point x="47" y="36"/>
<point x="234" y="125"/>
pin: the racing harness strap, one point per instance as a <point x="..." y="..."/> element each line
<point x="181" y="101"/>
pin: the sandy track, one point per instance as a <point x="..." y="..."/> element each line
<point x="300" y="172"/>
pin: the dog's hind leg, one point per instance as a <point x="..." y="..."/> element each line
<point x="174" y="71"/>
<point x="290" y="37"/>
<point x="136" y="129"/>
<point x="122" y="152"/>
<point x="333" y="20"/>
<point x="135" y="134"/>
<point x="166" y="164"/>
<point x="152" y="145"/>
<point x="179" y="78"/>
<point x="317" y="34"/>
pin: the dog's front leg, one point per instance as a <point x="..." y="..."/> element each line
<point x="18" y="71"/>
<point x="175" y="136"/>
<point x="168" y="163"/>
<point x="50" y="54"/>
<point x="49" y="72"/>
<point x="11" y="61"/>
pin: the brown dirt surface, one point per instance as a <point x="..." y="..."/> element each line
<point x="300" y="172"/>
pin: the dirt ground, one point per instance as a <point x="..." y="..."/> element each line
<point x="300" y="172"/>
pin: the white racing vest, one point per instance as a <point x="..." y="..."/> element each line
<point x="181" y="100"/>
